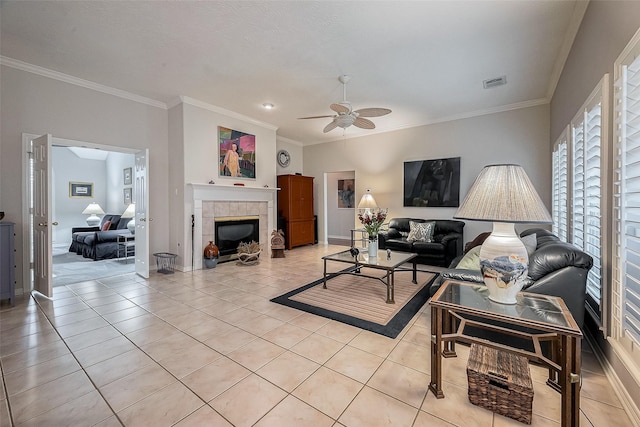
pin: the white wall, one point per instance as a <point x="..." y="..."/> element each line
<point x="295" y="151"/>
<point x="115" y="165"/>
<point x="37" y="105"/>
<point x="197" y="125"/>
<point x="519" y="136"/>
<point x="340" y="221"/>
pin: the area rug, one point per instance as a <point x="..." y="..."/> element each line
<point x="361" y="301"/>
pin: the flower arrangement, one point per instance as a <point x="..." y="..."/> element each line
<point x="372" y="220"/>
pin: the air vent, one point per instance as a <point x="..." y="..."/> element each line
<point x="498" y="81"/>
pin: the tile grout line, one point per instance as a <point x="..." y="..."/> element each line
<point x="79" y="364"/>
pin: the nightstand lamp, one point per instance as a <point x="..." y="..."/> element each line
<point x="93" y="210"/>
<point x="130" y="212"/>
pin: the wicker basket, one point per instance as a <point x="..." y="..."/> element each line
<point x="501" y="382"/>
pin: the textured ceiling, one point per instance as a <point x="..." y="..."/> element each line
<point x="425" y="60"/>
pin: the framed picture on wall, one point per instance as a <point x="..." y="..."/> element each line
<point x="128" y="176"/>
<point x="432" y="183"/>
<point x="80" y="189"/>
<point x="128" y="196"/>
<point x="346" y="193"/>
<point x="237" y="153"/>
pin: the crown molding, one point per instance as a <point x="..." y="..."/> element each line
<point x="229" y="113"/>
<point x="467" y="115"/>
<point x="56" y="75"/>
<point x="289" y="141"/>
<point x="572" y="31"/>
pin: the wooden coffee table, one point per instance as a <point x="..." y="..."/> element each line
<point x="389" y="262"/>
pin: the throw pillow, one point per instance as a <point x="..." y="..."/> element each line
<point x="530" y="243"/>
<point x="471" y="260"/>
<point x="106" y="225"/>
<point x="421" y="231"/>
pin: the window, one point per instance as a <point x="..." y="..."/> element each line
<point x="626" y="292"/>
<point x="559" y="208"/>
<point x="578" y="185"/>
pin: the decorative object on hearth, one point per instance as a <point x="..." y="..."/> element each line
<point x="248" y="253"/>
<point x="346" y="116"/>
<point x="93" y="210"/>
<point x="277" y="244"/>
<point x="372" y="219"/>
<point x="130" y="212"/>
<point x="211" y="253"/>
<point x="504" y="195"/>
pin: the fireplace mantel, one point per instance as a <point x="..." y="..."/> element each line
<point x="229" y="193"/>
<point x="232" y="192"/>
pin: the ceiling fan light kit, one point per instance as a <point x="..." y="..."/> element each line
<point x="347" y="116"/>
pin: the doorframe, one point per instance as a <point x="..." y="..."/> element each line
<point x="27" y="191"/>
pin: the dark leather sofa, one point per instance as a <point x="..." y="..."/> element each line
<point x="555" y="268"/>
<point x="92" y="242"/>
<point x="446" y="245"/>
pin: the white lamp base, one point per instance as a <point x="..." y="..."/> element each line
<point x="93" y="220"/>
<point x="504" y="263"/>
<point x="131" y="226"/>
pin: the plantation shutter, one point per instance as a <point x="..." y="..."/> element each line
<point x="628" y="193"/>
<point x="560" y="174"/>
<point x="586" y="195"/>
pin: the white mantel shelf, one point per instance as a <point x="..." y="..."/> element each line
<point x="231" y="192"/>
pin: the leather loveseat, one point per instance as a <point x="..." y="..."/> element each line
<point x="445" y="246"/>
<point x="92" y="242"/>
<point x="555" y="268"/>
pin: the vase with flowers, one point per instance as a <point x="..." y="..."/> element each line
<point x="372" y="220"/>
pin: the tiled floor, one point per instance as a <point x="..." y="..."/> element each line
<point x="209" y="349"/>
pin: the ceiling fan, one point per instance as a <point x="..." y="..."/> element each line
<point x="346" y="116"/>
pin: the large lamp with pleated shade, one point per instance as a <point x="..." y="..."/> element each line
<point x="504" y="195"/>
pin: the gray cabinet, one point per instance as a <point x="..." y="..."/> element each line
<point x="7" y="262"/>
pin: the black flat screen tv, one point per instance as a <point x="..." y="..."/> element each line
<point x="432" y="183"/>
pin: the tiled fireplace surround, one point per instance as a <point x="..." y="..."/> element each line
<point x="213" y="201"/>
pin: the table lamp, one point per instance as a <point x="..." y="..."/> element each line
<point x="93" y="210"/>
<point x="504" y="195"/>
<point x="130" y="212"/>
<point x="367" y="202"/>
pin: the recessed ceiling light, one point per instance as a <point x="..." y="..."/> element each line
<point x="267" y="106"/>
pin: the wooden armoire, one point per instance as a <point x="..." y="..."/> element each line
<point x="295" y="206"/>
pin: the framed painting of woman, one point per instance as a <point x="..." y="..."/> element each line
<point x="237" y="153"/>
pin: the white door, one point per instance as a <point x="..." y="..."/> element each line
<point x="141" y="198"/>
<point x="42" y="240"/>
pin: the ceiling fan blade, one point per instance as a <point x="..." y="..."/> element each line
<point x="373" y="112"/>
<point x="363" y="123"/>
<point x="316" y="117"/>
<point x="331" y="126"/>
<point x="340" y="108"/>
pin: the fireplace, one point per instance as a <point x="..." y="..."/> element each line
<point x="212" y="202"/>
<point x="231" y="231"/>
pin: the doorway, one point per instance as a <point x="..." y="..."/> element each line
<point x="340" y="206"/>
<point x="81" y="174"/>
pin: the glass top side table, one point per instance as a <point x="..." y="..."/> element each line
<point x="458" y="305"/>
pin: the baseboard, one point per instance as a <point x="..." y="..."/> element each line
<point x="625" y="398"/>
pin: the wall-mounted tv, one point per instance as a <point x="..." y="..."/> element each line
<point x="432" y="183"/>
